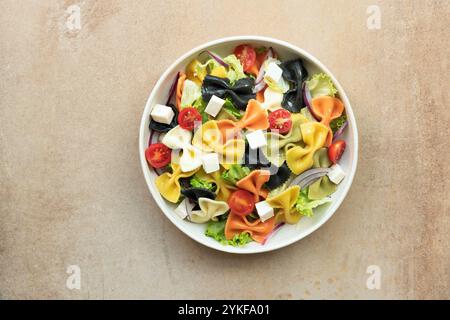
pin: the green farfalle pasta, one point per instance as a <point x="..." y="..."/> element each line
<point x="275" y="150"/>
<point x="323" y="187"/>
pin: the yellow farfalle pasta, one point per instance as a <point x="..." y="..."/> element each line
<point x="209" y="139"/>
<point x="209" y="210"/>
<point x="223" y="190"/>
<point x="285" y="202"/>
<point x="275" y="150"/>
<point x="299" y="158"/>
<point x="168" y="183"/>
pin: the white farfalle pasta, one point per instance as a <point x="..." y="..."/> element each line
<point x="209" y="210"/>
<point x="179" y="138"/>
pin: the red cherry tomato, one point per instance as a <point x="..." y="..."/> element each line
<point x="336" y="150"/>
<point x="241" y="202"/>
<point x="158" y="155"/>
<point x="280" y="120"/>
<point x="247" y="55"/>
<point x="187" y="118"/>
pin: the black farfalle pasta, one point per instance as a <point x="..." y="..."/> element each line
<point x="240" y="93"/>
<point x="196" y="193"/>
<point x="278" y="176"/>
<point x="162" y="127"/>
<point x="254" y="159"/>
<point x="295" y="73"/>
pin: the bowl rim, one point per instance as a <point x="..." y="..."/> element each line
<point x="173" y="218"/>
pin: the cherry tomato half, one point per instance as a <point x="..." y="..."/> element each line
<point x="247" y="55"/>
<point x="280" y="120"/>
<point x="158" y="155"/>
<point x="187" y="118"/>
<point x="336" y="150"/>
<point x="241" y="202"/>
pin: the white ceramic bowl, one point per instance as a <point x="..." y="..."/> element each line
<point x="288" y="233"/>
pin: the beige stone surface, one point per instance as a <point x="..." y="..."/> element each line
<point x="72" y="191"/>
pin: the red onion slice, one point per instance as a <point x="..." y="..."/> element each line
<point x="308" y="98"/>
<point x="309" y="176"/>
<point x="258" y="87"/>
<point x="173" y="88"/>
<point x="278" y="226"/>
<point x="340" y="131"/>
<point x="262" y="72"/>
<point x="216" y="57"/>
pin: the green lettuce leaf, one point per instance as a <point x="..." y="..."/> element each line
<point x="235" y="173"/>
<point x="191" y="92"/>
<point x="235" y="70"/>
<point x="337" y="123"/>
<point x="229" y="107"/>
<point x="320" y="84"/>
<point x="304" y="205"/>
<point x="216" y="230"/>
<point x="200" y="105"/>
<point x="196" y="182"/>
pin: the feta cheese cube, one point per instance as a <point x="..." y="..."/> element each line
<point x="184" y="208"/>
<point x="336" y="174"/>
<point x="162" y="114"/>
<point x="214" y="106"/>
<point x="274" y="72"/>
<point x="210" y="162"/>
<point x="265" y="211"/>
<point x="256" y="139"/>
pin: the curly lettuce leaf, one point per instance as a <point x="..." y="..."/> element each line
<point x="196" y="182"/>
<point x="235" y="69"/>
<point x="304" y="205"/>
<point x="337" y="123"/>
<point x="216" y="230"/>
<point x="191" y="92"/>
<point x="282" y="85"/>
<point x="320" y="84"/>
<point x="235" y="173"/>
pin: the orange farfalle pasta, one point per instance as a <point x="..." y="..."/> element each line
<point x="180" y="89"/>
<point x="257" y="229"/>
<point x="255" y="118"/>
<point x="254" y="183"/>
<point x="326" y="109"/>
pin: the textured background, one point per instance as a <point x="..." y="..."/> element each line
<point x="72" y="191"/>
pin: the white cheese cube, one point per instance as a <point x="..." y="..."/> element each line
<point x="256" y="139"/>
<point x="274" y="72"/>
<point x="162" y="114"/>
<point x="265" y="211"/>
<point x="184" y="208"/>
<point x="210" y="162"/>
<point x="336" y="174"/>
<point x="214" y="106"/>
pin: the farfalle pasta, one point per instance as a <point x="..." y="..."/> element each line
<point x="285" y="202"/>
<point x="257" y="229"/>
<point x="254" y="118"/>
<point x="323" y="187"/>
<point x="326" y="109"/>
<point x="254" y="183"/>
<point x="208" y="138"/>
<point x="240" y="152"/>
<point x="275" y="150"/>
<point x="168" y="184"/>
<point x="209" y="210"/>
<point x="299" y="158"/>
<point x="179" y="138"/>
